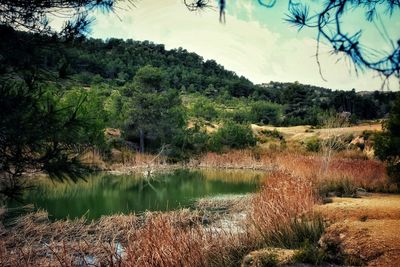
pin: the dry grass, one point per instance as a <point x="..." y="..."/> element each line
<point x="35" y="241"/>
<point x="235" y="159"/>
<point x="224" y="204"/>
<point x="344" y="172"/>
<point x="232" y="175"/>
<point x="179" y="238"/>
<point x="280" y="213"/>
<point x="364" y="231"/>
<point x="160" y="243"/>
<point x="303" y="132"/>
<point x="369" y="207"/>
<point x="176" y="238"/>
<point x="93" y="157"/>
<point x="123" y="160"/>
<point x="273" y="220"/>
<point x="340" y="175"/>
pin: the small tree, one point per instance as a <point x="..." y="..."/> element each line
<point x="266" y="112"/>
<point x="156" y="112"/>
<point x="232" y="135"/>
<point x="387" y="144"/>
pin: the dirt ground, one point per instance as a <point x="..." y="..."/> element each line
<point x="366" y="229"/>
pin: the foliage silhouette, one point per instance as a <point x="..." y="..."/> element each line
<point x="328" y="22"/>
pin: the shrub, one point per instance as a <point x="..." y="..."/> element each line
<point x="204" y="108"/>
<point x="366" y="134"/>
<point x="232" y="135"/>
<point x="310" y="253"/>
<point x="187" y="143"/>
<point x="268" y="260"/>
<point x="313" y="144"/>
<point x="274" y="134"/>
<point x="240" y="116"/>
<point x="266" y="112"/>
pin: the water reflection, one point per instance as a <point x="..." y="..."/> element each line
<point x="109" y="194"/>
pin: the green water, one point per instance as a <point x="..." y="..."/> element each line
<point x="105" y="194"/>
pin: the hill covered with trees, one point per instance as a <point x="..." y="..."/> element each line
<point x="153" y="94"/>
<point x="115" y="62"/>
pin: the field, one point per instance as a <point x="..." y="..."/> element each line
<point x="302" y="132"/>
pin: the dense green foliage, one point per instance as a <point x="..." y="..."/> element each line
<point x="43" y="130"/>
<point x="232" y="135"/>
<point x="155" y="113"/>
<point x="264" y="112"/>
<point x="387" y="144"/>
<point x="114" y="63"/>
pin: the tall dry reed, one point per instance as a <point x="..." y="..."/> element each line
<point x="340" y="174"/>
<point x="277" y="209"/>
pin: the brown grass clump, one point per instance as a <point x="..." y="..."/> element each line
<point x="169" y="239"/>
<point x="93" y="158"/>
<point x="340" y="175"/>
<point x="161" y="243"/>
<point x="278" y="211"/>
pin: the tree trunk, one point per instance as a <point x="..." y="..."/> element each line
<point x="141" y="148"/>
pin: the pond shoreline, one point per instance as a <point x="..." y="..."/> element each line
<point x="128" y="169"/>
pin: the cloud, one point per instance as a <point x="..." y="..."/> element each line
<point x="245" y="47"/>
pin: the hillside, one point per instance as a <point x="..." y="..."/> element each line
<point x="115" y="62"/>
<point x="152" y="94"/>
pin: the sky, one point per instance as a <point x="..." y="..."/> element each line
<point x="255" y="42"/>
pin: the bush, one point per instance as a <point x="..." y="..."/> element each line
<point x="366" y="134"/>
<point x="232" y="135"/>
<point x="240" y="116"/>
<point x="310" y="253"/>
<point x="273" y="134"/>
<point x="313" y="144"/>
<point x="266" y="112"/>
<point x="204" y="108"/>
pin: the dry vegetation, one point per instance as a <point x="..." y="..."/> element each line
<point x="338" y="174"/>
<point x="181" y="238"/>
<point x="218" y="232"/>
<point x="303" y="132"/>
<point x="235" y="159"/>
<point x="364" y="231"/>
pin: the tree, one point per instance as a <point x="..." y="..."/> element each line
<point x="328" y="22"/>
<point x="156" y="112"/>
<point x="232" y="135"/>
<point x="387" y="144"/>
<point x="33" y="15"/>
<point x="204" y="108"/>
<point x="41" y="131"/>
<point x="37" y="130"/>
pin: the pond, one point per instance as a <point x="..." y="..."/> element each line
<point x="106" y="194"/>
